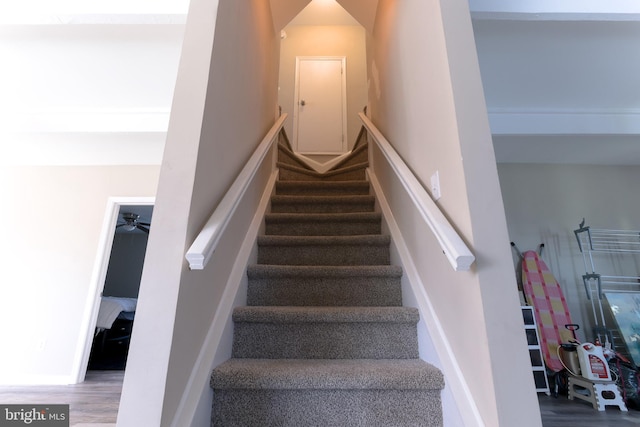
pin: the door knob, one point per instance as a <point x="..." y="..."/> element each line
<point x="303" y="103"/>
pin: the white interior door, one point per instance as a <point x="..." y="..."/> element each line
<point x="320" y="110"/>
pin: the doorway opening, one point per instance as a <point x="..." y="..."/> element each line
<point x="323" y="83"/>
<point x="115" y="284"/>
<point x="120" y="292"/>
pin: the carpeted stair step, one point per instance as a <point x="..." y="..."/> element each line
<point x="322" y="204"/>
<point x="324" y="339"/>
<point x="286" y="156"/>
<point x="304" y="374"/>
<point x="349" y="173"/>
<point x="322" y="188"/>
<point x="325" y="333"/>
<point x="294" y="393"/>
<point x="285" y="285"/>
<point x="358" y="155"/>
<point x="322" y="224"/>
<point x="324" y="250"/>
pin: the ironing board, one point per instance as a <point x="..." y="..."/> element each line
<point x="543" y="292"/>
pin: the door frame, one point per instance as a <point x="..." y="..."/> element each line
<point x="296" y="101"/>
<point x="98" y="278"/>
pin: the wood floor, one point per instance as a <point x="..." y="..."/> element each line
<point x="94" y="403"/>
<point x="562" y="412"/>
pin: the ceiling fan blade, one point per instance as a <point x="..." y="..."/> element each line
<point x="146" y="224"/>
<point x="143" y="228"/>
<point x="120" y="225"/>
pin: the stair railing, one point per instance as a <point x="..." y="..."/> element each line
<point x="459" y="255"/>
<point x="206" y="242"/>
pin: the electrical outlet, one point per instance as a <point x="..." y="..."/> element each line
<point x="435" y="186"/>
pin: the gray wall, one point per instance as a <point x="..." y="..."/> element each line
<point x="125" y="264"/>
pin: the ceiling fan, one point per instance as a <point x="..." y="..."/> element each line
<point x="131" y="222"/>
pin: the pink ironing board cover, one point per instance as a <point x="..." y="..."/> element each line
<point x="543" y="292"/>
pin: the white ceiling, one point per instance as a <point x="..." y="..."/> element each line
<point x="560" y="65"/>
<point x="323" y="12"/>
<point x="560" y="78"/>
<point x="87" y="94"/>
<point x="18" y="11"/>
<point x="562" y="91"/>
<point x="561" y="81"/>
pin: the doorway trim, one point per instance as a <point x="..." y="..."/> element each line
<point x="296" y="100"/>
<point x="98" y="278"/>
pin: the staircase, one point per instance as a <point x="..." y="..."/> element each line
<point x="324" y="339"/>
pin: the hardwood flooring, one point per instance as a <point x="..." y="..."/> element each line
<point x="562" y="412"/>
<point x="93" y="403"/>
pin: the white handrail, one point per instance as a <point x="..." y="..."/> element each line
<point x="450" y="241"/>
<point x="205" y="244"/>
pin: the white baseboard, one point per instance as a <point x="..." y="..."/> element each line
<point x="454" y="377"/>
<point x="201" y="371"/>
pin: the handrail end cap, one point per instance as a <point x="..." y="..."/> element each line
<point x="196" y="261"/>
<point x="464" y="262"/>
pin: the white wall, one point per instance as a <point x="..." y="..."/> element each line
<point x="112" y="83"/>
<point x="89" y="67"/>
<point x="544" y="203"/>
<point x="426" y="97"/>
<point x="83" y="117"/>
<point x="53" y="218"/>
<point x="225" y="101"/>
<point x="336" y="40"/>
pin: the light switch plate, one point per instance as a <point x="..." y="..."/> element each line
<point x="435" y="186"/>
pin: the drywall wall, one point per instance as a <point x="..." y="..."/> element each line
<point x="426" y="97"/>
<point x="338" y="40"/>
<point x="500" y="304"/>
<point x="544" y="203"/>
<point x="240" y="110"/>
<point x="82" y="94"/>
<point x="48" y="256"/>
<point x="145" y="378"/>
<point x="224" y="104"/>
